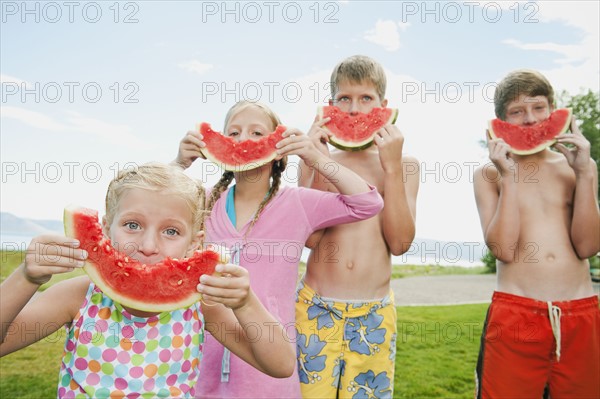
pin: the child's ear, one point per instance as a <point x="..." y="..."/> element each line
<point x="105" y="227"/>
<point x="197" y="241"/>
<point x="384" y="103"/>
<point x="330" y="101"/>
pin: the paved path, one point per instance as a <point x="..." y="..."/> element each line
<point x="447" y="290"/>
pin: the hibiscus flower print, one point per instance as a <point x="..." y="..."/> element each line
<point x="324" y="312"/>
<point x="370" y="386"/>
<point x="309" y="360"/>
<point x="364" y="334"/>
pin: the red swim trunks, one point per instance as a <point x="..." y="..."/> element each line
<point x="532" y="349"/>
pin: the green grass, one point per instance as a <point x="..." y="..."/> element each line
<point x="436" y="354"/>
<point x="437" y="347"/>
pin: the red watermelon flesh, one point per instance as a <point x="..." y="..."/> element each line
<point x="525" y="140"/>
<point x="355" y="131"/>
<point x="164" y="286"/>
<point x="238" y="156"/>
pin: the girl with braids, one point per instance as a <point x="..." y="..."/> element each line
<point x="266" y="226"/>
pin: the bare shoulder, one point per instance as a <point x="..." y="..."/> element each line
<point x="410" y="162"/>
<point x="486" y="174"/>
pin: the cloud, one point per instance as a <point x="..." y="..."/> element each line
<point x="573" y="53"/>
<point x="32" y="118"/>
<point x="11" y="79"/>
<point x="385" y="34"/>
<point x="578" y="63"/>
<point x="195" y="66"/>
<point x="75" y="123"/>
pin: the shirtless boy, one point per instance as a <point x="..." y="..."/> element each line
<point x="539" y="215"/>
<point x="345" y="315"/>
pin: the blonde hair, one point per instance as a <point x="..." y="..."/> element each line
<point x="359" y="69"/>
<point x="277" y="167"/>
<point x="522" y="81"/>
<point x="157" y="177"/>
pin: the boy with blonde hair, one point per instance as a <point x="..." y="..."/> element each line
<point x="345" y="313"/>
<point x="542" y="331"/>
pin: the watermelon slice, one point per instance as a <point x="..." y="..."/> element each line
<point x="525" y="140"/>
<point x="355" y="132"/>
<point x="164" y="286"/>
<point x="239" y="156"/>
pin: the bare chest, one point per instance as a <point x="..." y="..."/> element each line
<point x="367" y="166"/>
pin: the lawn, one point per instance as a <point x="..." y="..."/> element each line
<point x="436" y="350"/>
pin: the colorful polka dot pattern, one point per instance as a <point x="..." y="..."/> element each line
<point x="110" y="353"/>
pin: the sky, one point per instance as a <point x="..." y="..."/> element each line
<point x="88" y="88"/>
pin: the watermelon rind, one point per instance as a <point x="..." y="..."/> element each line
<point x="95" y="276"/>
<point x="495" y="126"/>
<point x="269" y="141"/>
<point x="346" y="145"/>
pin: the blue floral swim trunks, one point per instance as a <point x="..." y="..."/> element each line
<point x="345" y="349"/>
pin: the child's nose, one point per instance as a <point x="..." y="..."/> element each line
<point x="529" y="118"/>
<point x="353" y="107"/>
<point x="149" y="244"/>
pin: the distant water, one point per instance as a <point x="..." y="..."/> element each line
<point x="442" y="258"/>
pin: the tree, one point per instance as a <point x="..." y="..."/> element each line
<point x="586" y="109"/>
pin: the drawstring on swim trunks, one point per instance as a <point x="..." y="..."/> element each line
<point x="554" y="314"/>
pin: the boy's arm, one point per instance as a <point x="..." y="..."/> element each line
<point x="25" y="321"/>
<point x="401" y="185"/>
<point x="246" y="328"/>
<point x="498" y="210"/>
<point x="585" y="225"/>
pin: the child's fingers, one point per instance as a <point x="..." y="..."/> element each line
<point x="292" y="132"/>
<point x="56" y="239"/>
<point x="41" y="251"/>
<point x="322" y="122"/>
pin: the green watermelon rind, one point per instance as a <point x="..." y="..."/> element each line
<point x="543" y="145"/>
<point x="92" y="271"/>
<point x="238" y="167"/>
<point x="345" y="145"/>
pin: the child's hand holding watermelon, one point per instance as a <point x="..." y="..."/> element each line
<point x="578" y="157"/>
<point x="389" y="141"/>
<point x="500" y="155"/>
<point x="189" y="149"/>
<point x="231" y="288"/>
<point x="319" y="134"/>
<point x="51" y="254"/>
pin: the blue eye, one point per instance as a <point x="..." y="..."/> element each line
<point x="366" y="99"/>
<point x="171" y="232"/>
<point x="132" y="225"/>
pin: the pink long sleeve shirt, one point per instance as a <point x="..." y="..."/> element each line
<point x="271" y="252"/>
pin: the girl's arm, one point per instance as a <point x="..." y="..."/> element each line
<point x="25" y="320"/>
<point x="237" y="319"/>
<point x="345" y="181"/>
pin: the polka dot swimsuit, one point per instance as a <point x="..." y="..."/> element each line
<point x="110" y="353"/>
